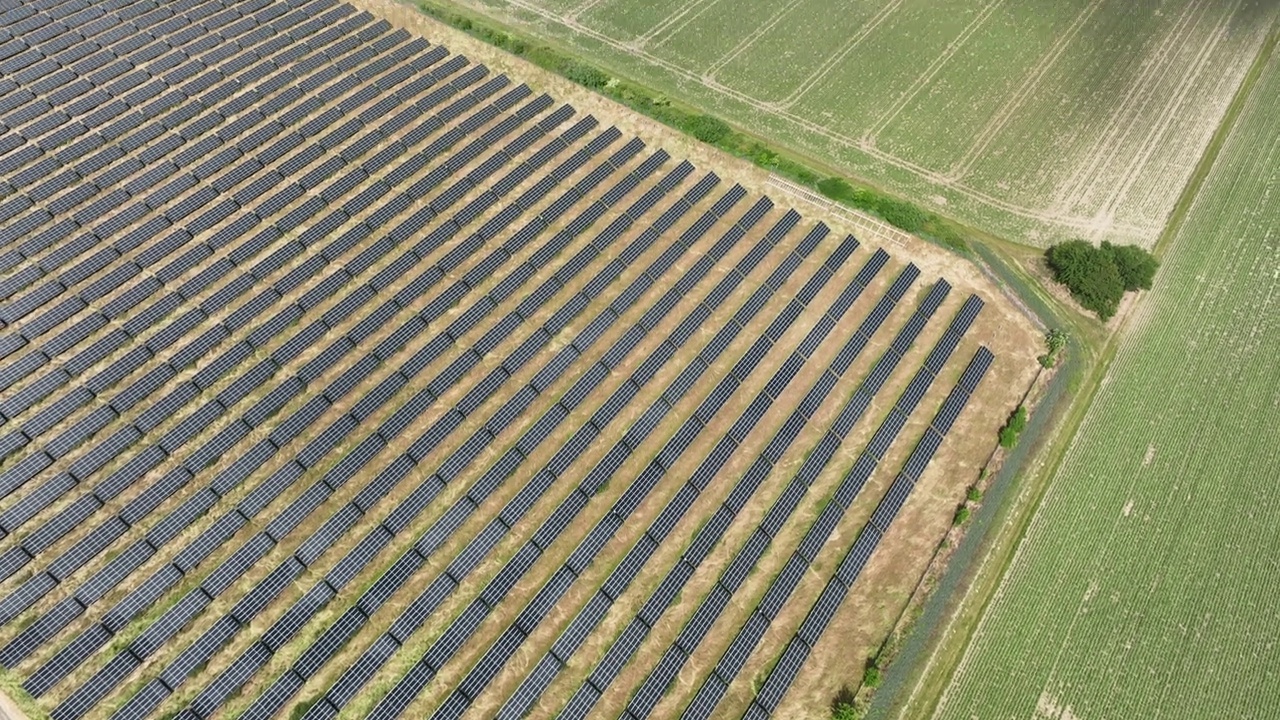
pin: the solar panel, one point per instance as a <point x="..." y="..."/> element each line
<point x="782" y="675"/>
<point x="975" y="370"/>
<point x="968" y="313"/>
<point x="740" y="649"/>
<point x="820" y="615"/>
<point x="857" y="557"/>
<point x="777" y="516"/>
<point x="740" y="567"/>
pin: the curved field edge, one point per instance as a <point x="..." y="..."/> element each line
<point x="938" y="641"/>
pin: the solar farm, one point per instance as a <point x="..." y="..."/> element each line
<point x="343" y="376"/>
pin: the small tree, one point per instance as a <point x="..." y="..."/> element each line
<point x="1055" y="341"/>
<point x="1099" y="276"/>
<point x="1013" y="427"/>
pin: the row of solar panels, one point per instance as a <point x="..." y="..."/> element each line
<point x="364" y="552"/>
<point x="131" y="51"/>
<point x="180" y="104"/>
<point x="69" y="251"/>
<point x="242" y="254"/>
<point x="740" y="567"/>
<point x="154" y="200"/>
<point x="452" y="519"/>
<point x="283" y="433"/>
<point x="635" y="560"/>
<point x="217" y="367"/>
<point x="365" y="450"/>
<point x="166" y="337"/>
<point x="34" y="360"/>
<point x="784" y="584"/>
<point x="311" y="411"/>
<point x="515" y="509"/>
<point x="828" y="603"/>
<point x="587" y="551"/>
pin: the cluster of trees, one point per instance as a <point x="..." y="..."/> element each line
<point x="1098" y="277"/>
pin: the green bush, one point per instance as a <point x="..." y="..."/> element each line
<point x="708" y="129"/>
<point x="871" y="676"/>
<point x="845" y="711"/>
<point x="962" y="516"/>
<point x="1008" y="438"/>
<point x="1098" y="277"/>
<point x="1013" y="427"/>
<point x="973" y="494"/>
<point x="1018" y="421"/>
<point x="837" y="189"/>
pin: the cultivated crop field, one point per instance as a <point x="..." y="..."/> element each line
<point x="1147" y="584"/>
<point x="343" y="376"/>
<point x="1037" y="121"/>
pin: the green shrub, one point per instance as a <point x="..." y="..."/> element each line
<point x="962" y="516"/>
<point x="837" y="189"/>
<point x="709" y="129"/>
<point x="1137" y="267"/>
<point x="871" y="676"/>
<point x="973" y="494"/>
<point x="1098" y="277"/>
<point x="1018" y="421"/>
<point x="1013" y="427"/>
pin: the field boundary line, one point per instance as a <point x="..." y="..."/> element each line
<point x="817" y="76"/>
<point x="922" y="81"/>
<point x="675" y="19"/>
<point x="998" y="121"/>
<point x="923" y="173"/>
<point x="1121" y="120"/>
<point x="584" y="6"/>
<point x="1148" y="146"/>
<point x="749" y="40"/>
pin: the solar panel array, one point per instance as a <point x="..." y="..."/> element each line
<point x="334" y="366"/>
<point x="828" y="602"/>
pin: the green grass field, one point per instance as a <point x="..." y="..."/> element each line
<point x="1036" y="121"/>
<point x="1148" y="582"/>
